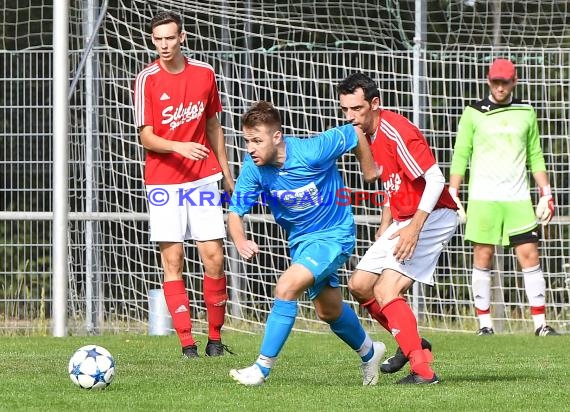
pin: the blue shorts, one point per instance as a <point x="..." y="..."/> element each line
<point x="323" y="257"/>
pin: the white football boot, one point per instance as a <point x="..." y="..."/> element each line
<point x="250" y="376"/>
<point x="370" y="369"/>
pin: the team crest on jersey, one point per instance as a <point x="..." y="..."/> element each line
<point x="299" y="199"/>
<point x="392" y="184"/>
<point x="176" y="116"/>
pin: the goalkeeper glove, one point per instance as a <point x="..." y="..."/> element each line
<point x="545" y="206"/>
<point x="461" y="215"/>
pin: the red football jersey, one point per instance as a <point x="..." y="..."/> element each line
<point x="177" y="107"/>
<point x="402" y="153"/>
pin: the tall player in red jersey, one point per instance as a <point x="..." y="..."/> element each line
<point x="176" y="105"/>
<point x="418" y="221"/>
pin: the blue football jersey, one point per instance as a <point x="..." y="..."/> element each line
<point x="303" y="194"/>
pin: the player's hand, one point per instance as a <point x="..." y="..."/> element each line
<point x="247" y="249"/>
<point x="545" y="206"/>
<point x="191" y="150"/>
<point x="406" y="246"/>
<point x="461" y="215"/>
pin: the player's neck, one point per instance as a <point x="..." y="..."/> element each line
<point x="505" y="101"/>
<point x="280" y="157"/>
<point x="175" y="65"/>
<point x="376" y="125"/>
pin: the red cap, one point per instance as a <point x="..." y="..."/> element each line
<point x="502" y="69"/>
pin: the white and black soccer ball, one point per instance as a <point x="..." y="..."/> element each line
<point x="92" y="367"/>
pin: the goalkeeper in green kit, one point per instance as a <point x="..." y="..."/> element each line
<point x="499" y="137"/>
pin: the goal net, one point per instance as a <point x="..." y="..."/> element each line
<point x="292" y="53"/>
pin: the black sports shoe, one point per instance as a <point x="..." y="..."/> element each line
<point x="397" y="361"/>
<point x="217" y="348"/>
<point x="413" y="379"/>
<point x="190" y="351"/>
<point x="485" y="331"/>
<point x="546" y="330"/>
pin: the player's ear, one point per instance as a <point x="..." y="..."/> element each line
<point x="182" y="36"/>
<point x="375" y="103"/>
<point x="277" y="137"/>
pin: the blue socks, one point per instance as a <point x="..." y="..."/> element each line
<point x="348" y="328"/>
<point x="280" y="323"/>
<point x="277" y="329"/>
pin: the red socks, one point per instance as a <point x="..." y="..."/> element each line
<point x="179" y="308"/>
<point x="482" y="312"/>
<point x="375" y="311"/>
<point x="404" y="328"/>
<point x="215" y="297"/>
<point x="419" y="363"/>
<point x="403" y="325"/>
<point x="537" y="310"/>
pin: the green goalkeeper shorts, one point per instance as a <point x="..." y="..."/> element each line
<point x="493" y="223"/>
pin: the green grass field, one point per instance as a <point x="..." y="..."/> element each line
<point x="498" y="373"/>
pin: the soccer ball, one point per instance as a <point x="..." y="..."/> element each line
<point x="92" y="367"/>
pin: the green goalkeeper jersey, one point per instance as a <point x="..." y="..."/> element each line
<point x="500" y="142"/>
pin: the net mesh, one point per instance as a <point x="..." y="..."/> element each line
<point x="291" y="53"/>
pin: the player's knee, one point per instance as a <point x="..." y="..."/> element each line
<point x="287" y="291"/>
<point x="528" y="257"/>
<point x="172" y="256"/>
<point x="173" y="268"/>
<point x="358" y="288"/>
<point x="483" y="255"/>
<point x="214" y="269"/>
<point x="328" y="314"/>
<point x="386" y="293"/>
<point x="214" y="264"/>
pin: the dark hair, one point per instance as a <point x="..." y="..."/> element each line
<point x="261" y="113"/>
<point x="165" y="17"/>
<point x="359" y="81"/>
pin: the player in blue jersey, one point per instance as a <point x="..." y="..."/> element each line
<point x="299" y="180"/>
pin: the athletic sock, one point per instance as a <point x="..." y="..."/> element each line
<point x="179" y="308"/>
<point x="420" y="363"/>
<point x="265" y="364"/>
<point x="277" y="329"/>
<point x="404" y="328"/>
<point x="535" y="288"/>
<point x="215" y="297"/>
<point x="375" y="312"/>
<point x="348" y="328"/>
<point x="484" y="317"/>
<point x="538" y="316"/>
<point x="481" y="284"/>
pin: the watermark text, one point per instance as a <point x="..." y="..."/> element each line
<point x="294" y="199"/>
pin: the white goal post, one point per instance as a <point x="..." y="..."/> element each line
<point x="428" y="58"/>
